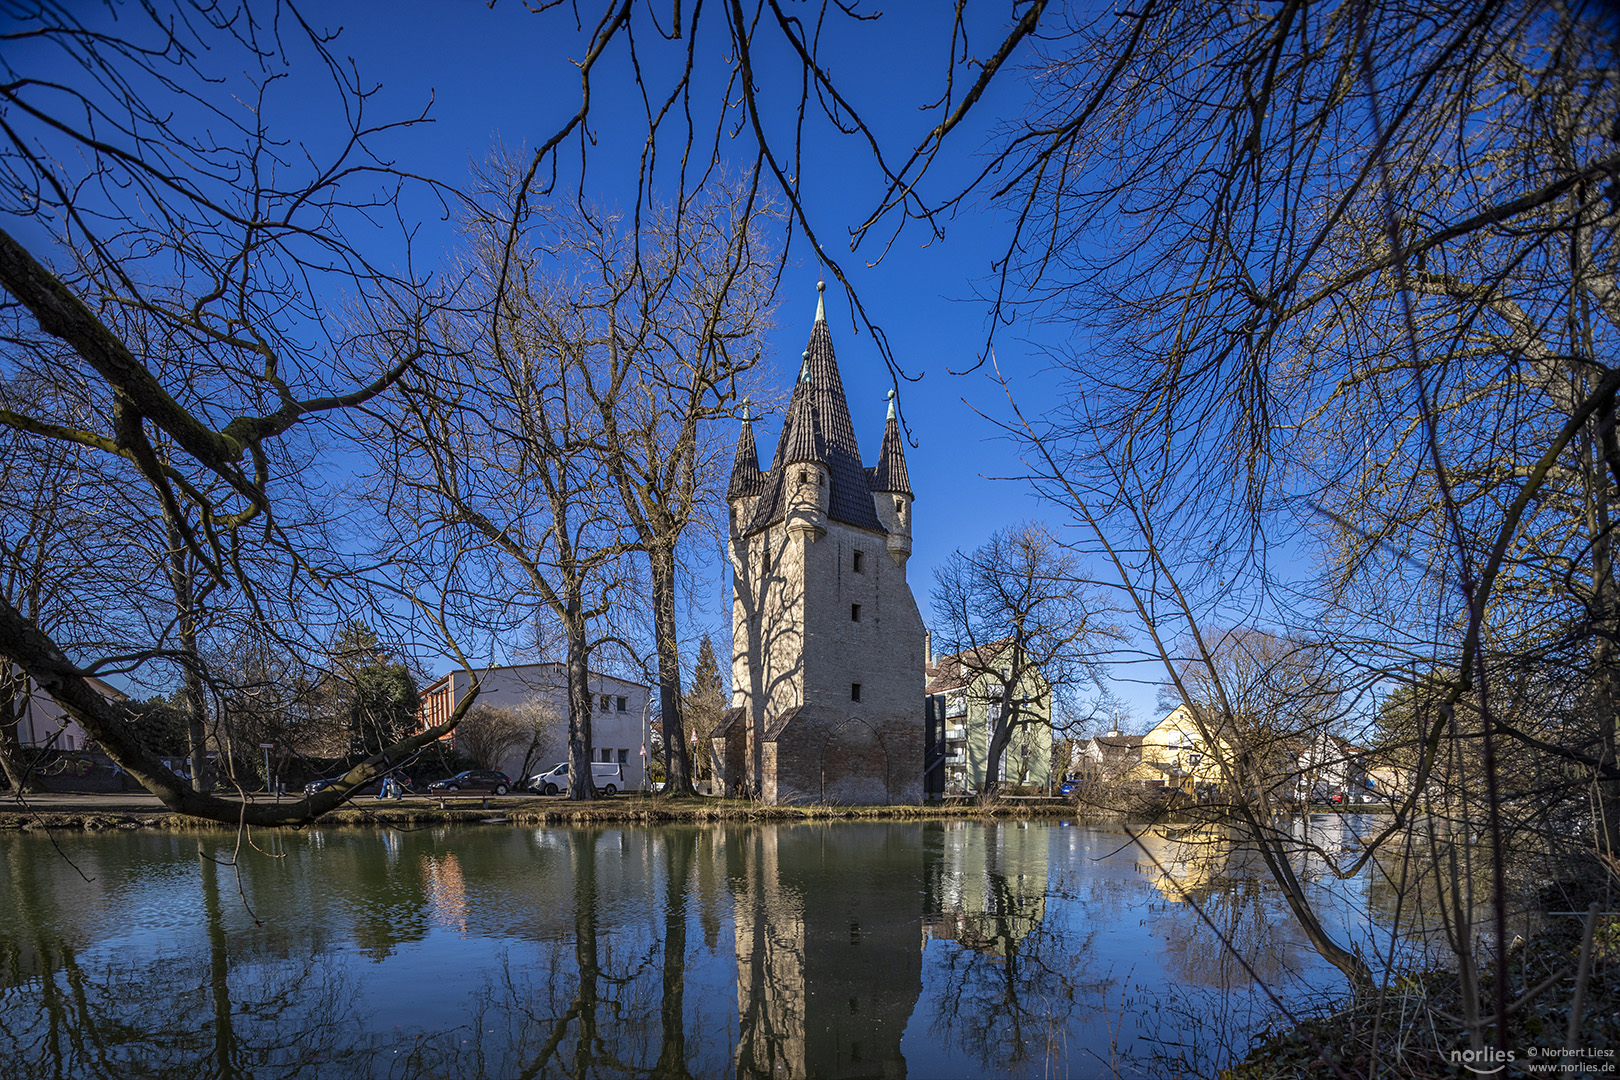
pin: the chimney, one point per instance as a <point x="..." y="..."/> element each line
<point x="928" y="648"/>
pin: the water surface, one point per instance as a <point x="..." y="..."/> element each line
<point x="832" y="950"/>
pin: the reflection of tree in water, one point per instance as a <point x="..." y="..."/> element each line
<point x="183" y="1015"/>
<point x="1010" y="984"/>
<point x="1251" y="918"/>
<point x="599" y="1001"/>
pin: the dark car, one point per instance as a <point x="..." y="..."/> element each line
<point x="475" y="780"/>
<point x="371" y="787"/>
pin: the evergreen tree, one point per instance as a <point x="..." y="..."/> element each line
<point x="370" y="694"/>
<point x="705" y="704"/>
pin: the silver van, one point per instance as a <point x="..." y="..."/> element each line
<point x="607" y="775"/>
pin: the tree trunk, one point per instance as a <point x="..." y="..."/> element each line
<point x="677" y="766"/>
<point x="678" y="845"/>
<point x="581" y="785"/>
<point x="1606" y="624"/>
<point x="1000" y="736"/>
<point x="185" y="607"/>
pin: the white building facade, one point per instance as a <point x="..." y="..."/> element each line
<point x="619" y="715"/>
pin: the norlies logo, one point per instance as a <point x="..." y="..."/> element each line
<point x="1483" y="1062"/>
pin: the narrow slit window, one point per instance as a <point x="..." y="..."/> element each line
<point x="854" y="691"/>
<point x="860" y="562"/>
<point x="854" y="613"/>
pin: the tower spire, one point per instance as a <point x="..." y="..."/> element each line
<point x="746" y="479"/>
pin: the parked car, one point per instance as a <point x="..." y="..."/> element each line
<point x="607" y="775"/>
<point x="320" y="785"/>
<point x="370" y="787"/>
<point x="1067" y="787"/>
<point x="475" y="780"/>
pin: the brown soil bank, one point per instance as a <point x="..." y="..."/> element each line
<point x="1412" y="1028"/>
<point x="133" y="811"/>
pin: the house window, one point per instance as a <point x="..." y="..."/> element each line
<point x="854" y="613"/>
<point x="623" y="704"/>
<point x="606" y="703"/>
<point x="860" y="561"/>
<point x="607" y="755"/>
<point x="624" y="757"/>
<point x="854" y="691"/>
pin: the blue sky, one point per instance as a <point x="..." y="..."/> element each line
<point x="506" y="74"/>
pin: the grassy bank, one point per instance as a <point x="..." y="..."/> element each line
<point x="1412" y="1027"/>
<point x="647" y="810"/>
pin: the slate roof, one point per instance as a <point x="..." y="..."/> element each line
<point x="746" y="479"/>
<point x="731" y="723"/>
<point x="889" y="474"/>
<point x="960" y="669"/>
<point x="779" y="723"/>
<point x="818" y="429"/>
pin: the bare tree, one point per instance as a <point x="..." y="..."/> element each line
<point x="487" y="733"/>
<point x="1023" y="625"/>
<point x="1354" y="272"/>
<point x="678" y="320"/>
<point x="220" y="237"/>
<point x="488" y="458"/>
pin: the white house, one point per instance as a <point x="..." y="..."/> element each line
<point x="619" y="714"/>
<point x="43" y="723"/>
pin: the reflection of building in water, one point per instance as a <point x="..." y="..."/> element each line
<point x="986" y="884"/>
<point x="446" y="891"/>
<point x="1191" y="862"/>
<point x="829" y="958"/>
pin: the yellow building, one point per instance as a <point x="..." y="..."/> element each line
<point x="1176" y="755"/>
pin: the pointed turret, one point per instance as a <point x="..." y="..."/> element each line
<point x="891" y="489"/>
<point x="890" y="472"/>
<point x="746" y="479"/>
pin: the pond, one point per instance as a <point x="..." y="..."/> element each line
<point x="829" y="950"/>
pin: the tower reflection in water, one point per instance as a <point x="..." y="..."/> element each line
<point x="828" y="929"/>
<point x="830" y="926"/>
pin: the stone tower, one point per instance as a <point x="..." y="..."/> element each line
<point x="827" y="663"/>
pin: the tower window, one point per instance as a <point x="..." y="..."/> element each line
<point x="854" y="691"/>
<point x="860" y="562"/>
<point x="854" y="613"/>
<point x="803" y="476"/>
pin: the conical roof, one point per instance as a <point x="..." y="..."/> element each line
<point x="818" y="429"/>
<point x="746" y="479"/>
<point x="889" y="474"/>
